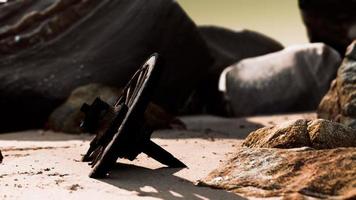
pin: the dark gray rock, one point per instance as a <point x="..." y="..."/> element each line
<point x="227" y="47"/>
<point x="46" y="55"/>
<point x="330" y="21"/>
<point x="290" y="80"/>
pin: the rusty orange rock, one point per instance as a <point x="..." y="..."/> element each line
<point x="318" y="134"/>
<point x="339" y="104"/>
<point x="288" y="173"/>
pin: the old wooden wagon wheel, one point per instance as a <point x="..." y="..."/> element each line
<point x="121" y="130"/>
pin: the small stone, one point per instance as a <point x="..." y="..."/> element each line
<point x="75" y="187"/>
<point x="17" y="38"/>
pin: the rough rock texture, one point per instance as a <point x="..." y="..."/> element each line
<point x="50" y="47"/>
<point x="318" y="134"/>
<point x="295" y="78"/>
<point x="227" y="47"/>
<point x="330" y="21"/>
<point x="67" y="117"/>
<point x="230" y="46"/>
<point x="339" y="104"/>
<point x="289" y="173"/>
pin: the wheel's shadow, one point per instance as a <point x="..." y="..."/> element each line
<point x="161" y="183"/>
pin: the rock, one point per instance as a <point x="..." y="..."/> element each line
<point x="293" y="79"/>
<point x="48" y="48"/>
<point x="337" y="29"/>
<point x="289" y="173"/>
<point x="287" y="135"/>
<point x="227" y="47"/>
<point x="318" y="134"/>
<point x="158" y="118"/>
<point x="339" y="104"/>
<point x="67" y="117"/>
<point x="230" y="46"/>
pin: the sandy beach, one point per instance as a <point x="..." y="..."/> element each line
<point x="46" y="165"/>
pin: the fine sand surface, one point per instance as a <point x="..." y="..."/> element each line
<point x="45" y="165"/>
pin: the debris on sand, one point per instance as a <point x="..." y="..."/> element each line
<point x="75" y="187"/>
<point x="1" y="157"/>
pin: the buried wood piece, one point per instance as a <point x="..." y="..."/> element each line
<point x="121" y="130"/>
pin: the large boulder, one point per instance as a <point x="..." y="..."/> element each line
<point x="339" y="104"/>
<point x="48" y="48"/>
<point x="330" y="21"/>
<point x="269" y="164"/>
<point x="227" y="47"/>
<point x="293" y="79"/>
<point x="318" y="134"/>
<point x="290" y="173"/>
<point x="230" y="46"/>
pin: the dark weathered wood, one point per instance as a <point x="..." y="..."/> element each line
<point x="121" y="130"/>
<point x="158" y="153"/>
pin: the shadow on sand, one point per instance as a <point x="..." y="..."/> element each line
<point x="197" y="127"/>
<point x="161" y="183"/>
